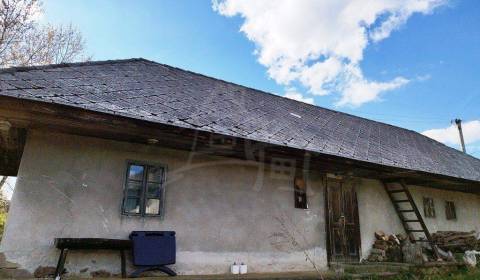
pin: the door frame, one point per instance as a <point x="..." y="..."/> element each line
<point x="327" y="220"/>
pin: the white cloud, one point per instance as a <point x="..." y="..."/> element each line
<point x="449" y="135"/>
<point x="321" y="75"/>
<point x="299" y="97"/>
<point x="321" y="43"/>
<point x="423" y="78"/>
<point x="399" y="14"/>
<point x="360" y="91"/>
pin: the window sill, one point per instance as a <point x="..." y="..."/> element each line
<point x="142" y="216"/>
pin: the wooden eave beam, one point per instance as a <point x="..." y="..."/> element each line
<point x="60" y="118"/>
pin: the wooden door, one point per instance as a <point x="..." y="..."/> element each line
<point x="343" y="231"/>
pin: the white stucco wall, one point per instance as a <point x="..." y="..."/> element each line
<point x="376" y="212"/>
<point x="467" y="207"/>
<point x="223" y="210"/>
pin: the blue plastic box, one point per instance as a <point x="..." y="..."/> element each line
<point x="153" y="248"/>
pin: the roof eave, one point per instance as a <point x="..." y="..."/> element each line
<point x="27" y="114"/>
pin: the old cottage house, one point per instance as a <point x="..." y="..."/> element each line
<point x="102" y="149"/>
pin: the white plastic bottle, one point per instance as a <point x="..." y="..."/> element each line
<point x="243" y="268"/>
<point x="235" y="268"/>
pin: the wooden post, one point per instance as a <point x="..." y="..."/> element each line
<point x="459" y="125"/>
<point x="122" y="257"/>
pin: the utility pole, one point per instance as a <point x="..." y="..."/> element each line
<point x="458" y="122"/>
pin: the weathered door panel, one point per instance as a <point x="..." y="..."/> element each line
<point x="342" y="222"/>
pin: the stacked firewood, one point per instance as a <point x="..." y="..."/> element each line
<point x="397" y="248"/>
<point x="386" y="248"/>
<point x="456" y="241"/>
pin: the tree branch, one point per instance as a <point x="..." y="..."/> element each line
<point x="2" y="182"/>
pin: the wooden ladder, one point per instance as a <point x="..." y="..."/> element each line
<point x="408" y="213"/>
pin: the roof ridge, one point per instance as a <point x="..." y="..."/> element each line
<point x="68" y="64"/>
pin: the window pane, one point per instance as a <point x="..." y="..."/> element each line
<point x="155" y="174"/>
<point x="135" y="172"/>
<point x="132" y="205"/>
<point x="144" y="190"/>
<point x="450" y="210"/>
<point x="428" y="207"/>
<point x="300" y="193"/>
<point x="152" y="206"/>
<point x="134" y="189"/>
<point x="154" y="190"/>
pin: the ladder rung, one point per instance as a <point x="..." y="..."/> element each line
<point x="405" y="220"/>
<point x="396" y="191"/>
<point x="390" y="180"/>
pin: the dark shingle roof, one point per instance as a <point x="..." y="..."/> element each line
<point x="146" y="90"/>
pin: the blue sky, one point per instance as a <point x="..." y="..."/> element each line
<point x="433" y="53"/>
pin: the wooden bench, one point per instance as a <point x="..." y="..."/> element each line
<point x="66" y="244"/>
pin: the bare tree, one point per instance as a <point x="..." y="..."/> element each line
<point x="290" y="234"/>
<point x="23" y="42"/>
<point x="48" y="45"/>
<point x="16" y="19"/>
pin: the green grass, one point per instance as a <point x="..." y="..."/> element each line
<point x="462" y="274"/>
